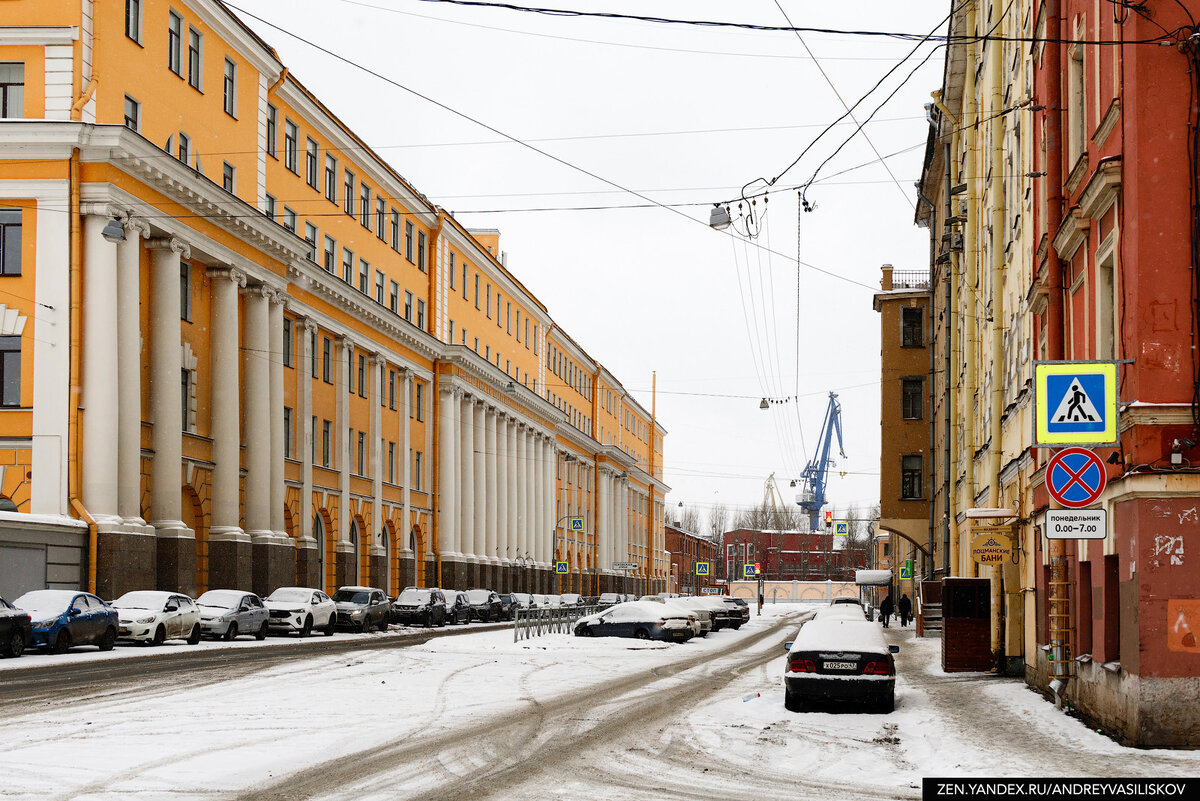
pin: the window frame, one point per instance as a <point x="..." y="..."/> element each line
<point x="175" y="42"/>
<point x="195" y="65"/>
<point x="11" y="219"/>
<point x="229" y="88"/>
<point x="291" y="146"/>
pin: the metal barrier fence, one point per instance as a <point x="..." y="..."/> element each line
<point x="530" y="623"/>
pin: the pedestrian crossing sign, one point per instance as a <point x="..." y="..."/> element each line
<point x="702" y="568"/>
<point x="1075" y="403"/>
<point x="575" y="523"/>
<point x="841" y="528"/>
<point x="561" y="567"/>
<point x="748" y="571"/>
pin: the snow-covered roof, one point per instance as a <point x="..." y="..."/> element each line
<point x="873" y="577"/>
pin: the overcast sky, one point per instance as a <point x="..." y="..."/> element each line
<point x="681" y="114"/>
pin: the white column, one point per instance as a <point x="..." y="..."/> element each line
<point x="550" y="476"/>
<point x="466" y="491"/>
<point x="479" y="427"/>
<point x="129" y="374"/>
<point x="533" y="519"/>
<point x="406" y="461"/>
<point x="278" y="302"/>
<point x="225" y="405"/>
<point x="603" y="514"/>
<point x="495" y="544"/>
<point x="98" y="449"/>
<point x="341" y="429"/>
<point x="506" y="537"/>
<point x="257" y="412"/>
<point x="378" y="368"/>
<point x="447" y="441"/>
<point x="537" y="487"/>
<point x="510" y="490"/>
<point x="166" y="395"/>
<point x="520" y="482"/>
<point x="305" y="430"/>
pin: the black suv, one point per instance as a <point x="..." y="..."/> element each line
<point x="458" y="608"/>
<point x="16" y="630"/>
<point x="360" y="609"/>
<point x="485" y="605"/>
<point x="419" y="605"/>
<point x="509" y="606"/>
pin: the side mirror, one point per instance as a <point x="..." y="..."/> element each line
<point x="787" y="646"/>
<point x="74" y="612"/>
<point x="894" y="649"/>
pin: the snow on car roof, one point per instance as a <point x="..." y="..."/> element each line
<point x="841" y="612"/>
<point x="138" y="599"/>
<point x="840" y="635"/>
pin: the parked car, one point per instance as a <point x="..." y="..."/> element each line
<point x="361" y="608"/>
<point x="152" y="617"/>
<point x="485" y="605"/>
<point x="607" y="599"/>
<point x="458" y="607"/>
<point x="841" y="661"/>
<point x="509" y="606"/>
<point x="224" y="614"/>
<point x="644" y="620"/>
<point x="740" y="610"/>
<point x="301" y="609"/>
<point x="704" y="615"/>
<point x="63" y="618"/>
<point x="722" y="613"/>
<point x="524" y="600"/>
<point x="550" y="601"/>
<point x="16" y="630"/>
<point x="418" y="605"/>
<point x="570" y="599"/>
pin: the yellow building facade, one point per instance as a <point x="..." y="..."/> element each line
<point x="242" y="350"/>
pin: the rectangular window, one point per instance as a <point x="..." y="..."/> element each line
<point x="421" y="314"/>
<point x="287" y="342"/>
<point x="290" y="221"/>
<point x="381" y="218"/>
<point x="327" y="364"/>
<point x="421" y="251"/>
<point x="174" y="43"/>
<point x="270" y="210"/>
<point x="326" y="440"/>
<point x="185" y="291"/>
<point x="10" y="371"/>
<point x="364" y="206"/>
<point x="508" y="318"/>
<point x="133" y="112"/>
<point x="348" y="188"/>
<point x="362" y="375"/>
<point x="310" y="236"/>
<point x="394" y="297"/>
<point x="185" y="385"/>
<point x="230" y="88"/>
<point x="518" y="326"/>
<point x="451" y="271"/>
<point x="229" y="177"/>
<point x="12" y="91"/>
<point x="391" y="463"/>
<point x="287" y="433"/>
<point x="379" y="282"/>
<point x="911" y="392"/>
<point x="364" y="277"/>
<point x="185" y="149"/>
<point x="391" y="389"/>
<point x="311" y="160"/>
<point x="451" y="339"/>
<point x="477" y="290"/>
<point x="527" y="334"/>
<point x="408" y="305"/>
<point x="330" y="254"/>
<point x="331" y="178"/>
<point x="464" y="280"/>
<point x="348" y="266"/>
<point x="912" y="325"/>
<point x="133" y="20"/>
<point x="362" y="453"/>
<point x="910" y="477"/>
<point x="395" y="230"/>
<point x="195" y="54"/>
<point x="488" y="296"/>
<point x="291" y="146"/>
<point x="408" y="240"/>
<point x="10" y="241"/>
<point x="272" y="131"/>
<point x="417" y="477"/>
<point x="419" y="404"/>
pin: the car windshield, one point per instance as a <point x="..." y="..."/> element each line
<point x="5" y="604"/>
<point x="221" y="599"/>
<point x="45" y="603"/>
<point x="352" y="596"/>
<point x="413" y="597"/>
<point x="291" y="595"/>
<point x="478" y="596"/>
<point x="141" y="600"/>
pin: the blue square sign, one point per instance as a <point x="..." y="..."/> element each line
<point x="1075" y="403"/>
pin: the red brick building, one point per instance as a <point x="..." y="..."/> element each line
<point x="788" y="555"/>
<point x="686" y="549"/>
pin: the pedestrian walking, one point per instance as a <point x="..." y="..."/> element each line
<point x="905" y="609"/>
<point x="885" y="610"/>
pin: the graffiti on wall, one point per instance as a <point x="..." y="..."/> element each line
<point x="1168" y="550"/>
<point x="1183" y="622"/>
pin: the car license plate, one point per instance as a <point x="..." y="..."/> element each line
<point x="840" y="665"/>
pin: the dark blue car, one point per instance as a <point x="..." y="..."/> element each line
<point x="63" y="618"/>
<point x="643" y="620"/>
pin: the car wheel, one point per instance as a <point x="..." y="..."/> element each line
<point x="306" y="629"/>
<point x="15" y="645"/>
<point x="194" y="637"/>
<point x="366" y="624"/>
<point x="792" y="702"/>
<point x="62" y="643"/>
<point x="443" y="623"/>
<point x="383" y="624"/>
<point x="261" y="634"/>
<point x="109" y="639"/>
<point x="331" y="626"/>
<point x="160" y="636"/>
<point x="585" y="631"/>
<point x="642" y="634"/>
<point x="231" y="632"/>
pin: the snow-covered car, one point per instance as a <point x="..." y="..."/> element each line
<point x="16" y="630"/>
<point x="704" y="615"/>
<point x="722" y="614"/>
<point x="643" y="620"/>
<point x="301" y="609"/>
<point x="224" y="614"/>
<point x="549" y="601"/>
<point x="485" y="605"/>
<point x="840" y="660"/>
<point x="458" y="607"/>
<point x="361" y="608"/>
<point x="151" y="617"/>
<point x="524" y="600"/>
<point x="419" y="605"/>
<point x="509" y="605"/>
<point x="570" y="599"/>
<point x="63" y="618"/>
<point x="608" y="599"/>
<point x="739" y="611"/>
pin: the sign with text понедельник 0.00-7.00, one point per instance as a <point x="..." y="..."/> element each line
<point x="1076" y="524"/>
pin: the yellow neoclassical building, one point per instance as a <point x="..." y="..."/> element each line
<point x="241" y="350"/>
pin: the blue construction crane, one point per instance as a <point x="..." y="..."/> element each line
<point x="815" y="475"/>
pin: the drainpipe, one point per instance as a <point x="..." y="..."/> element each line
<point x="949" y="545"/>
<point x="970" y="273"/>
<point x="996" y="57"/>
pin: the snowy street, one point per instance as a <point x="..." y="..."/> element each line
<point x="476" y="716"/>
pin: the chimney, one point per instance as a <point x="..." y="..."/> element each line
<point x="886" y="283"/>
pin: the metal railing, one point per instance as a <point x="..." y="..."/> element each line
<point x="910" y="279"/>
<point x="529" y="623"/>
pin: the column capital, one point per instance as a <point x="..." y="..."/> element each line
<point x="378" y="358"/>
<point x="261" y="290"/>
<point x="310" y="327"/>
<point x="232" y="273"/>
<point x="345" y="341"/>
<point x="135" y="228"/>
<point x="170" y="243"/>
<point x="278" y="297"/>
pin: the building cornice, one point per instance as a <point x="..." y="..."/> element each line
<point x="38" y="35"/>
<point x="461" y="239"/>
